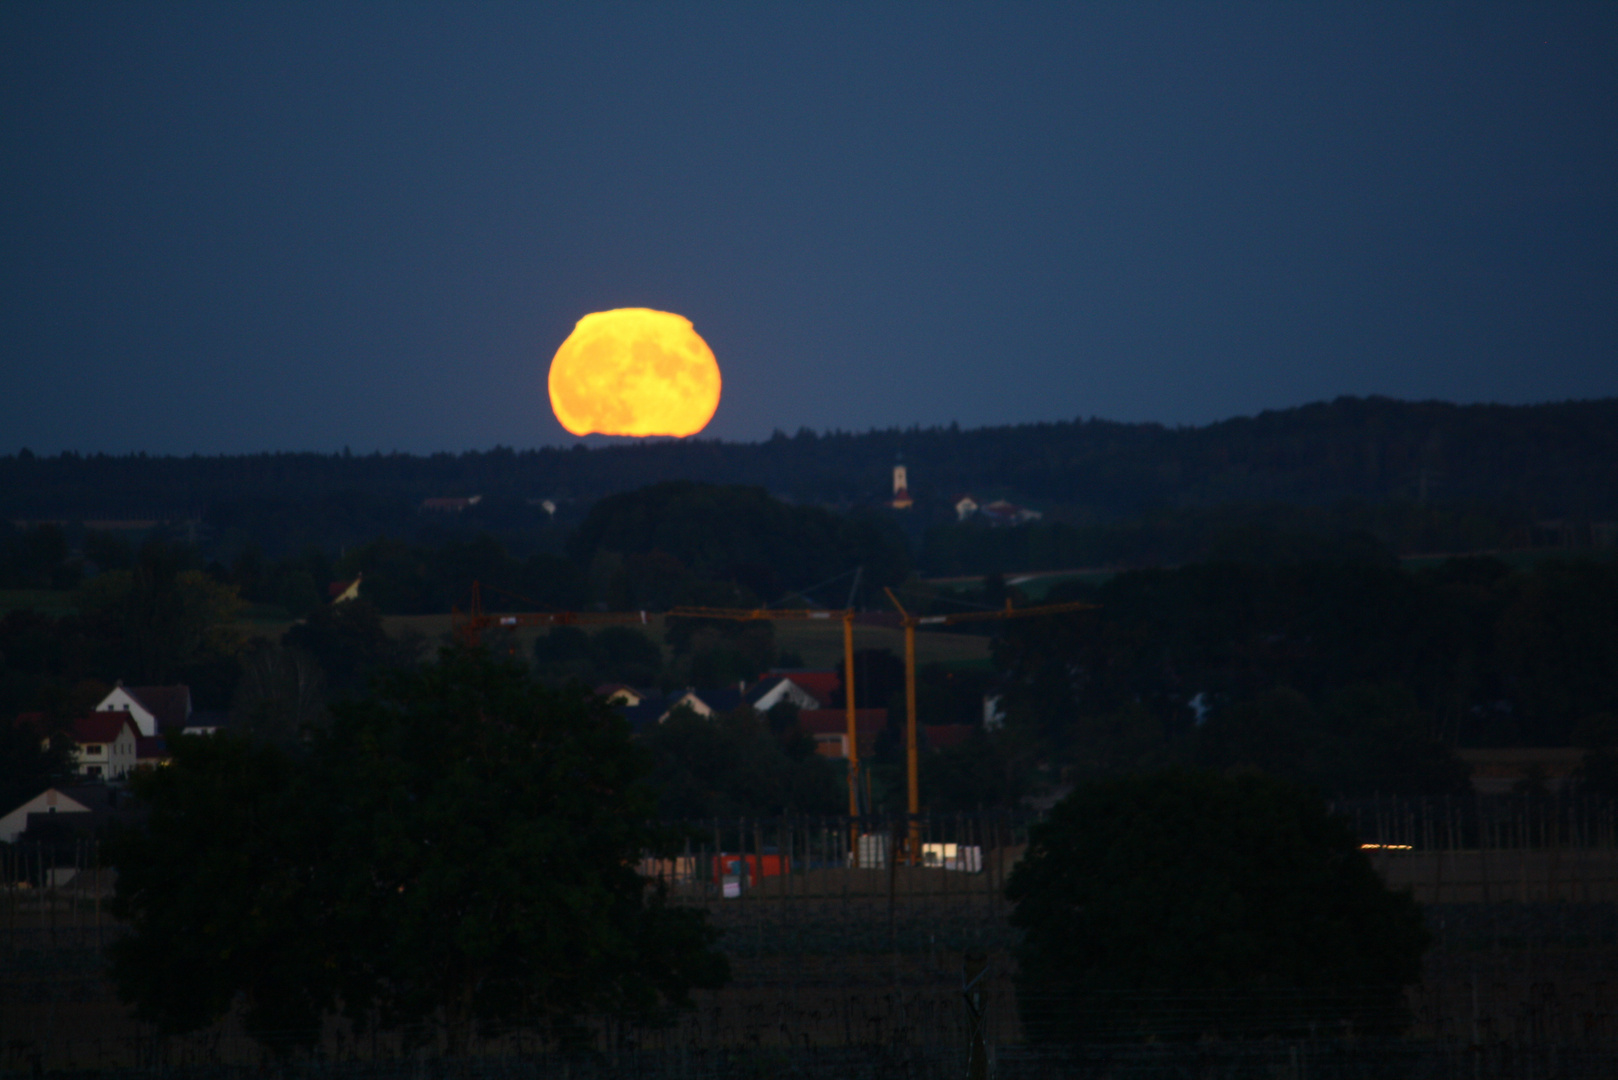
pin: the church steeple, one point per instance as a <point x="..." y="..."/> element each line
<point x="901" y="485"/>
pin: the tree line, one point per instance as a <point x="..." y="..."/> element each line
<point x="1353" y="677"/>
<point x="1531" y="462"/>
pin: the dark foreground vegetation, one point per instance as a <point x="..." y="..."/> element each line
<point x="455" y="850"/>
<point x="1242" y="900"/>
<point x="846" y="971"/>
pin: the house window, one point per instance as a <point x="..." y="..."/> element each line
<point x="94" y="749"/>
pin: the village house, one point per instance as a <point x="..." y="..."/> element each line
<point x="822" y="686"/>
<point x="773" y="690"/>
<point x="829" y="729"/>
<point x="154" y="709"/>
<point x="104" y="745"/>
<point x="341" y="592"/>
<point x="50" y="801"/>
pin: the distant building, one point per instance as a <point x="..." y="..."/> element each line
<point x="104" y="745"/>
<point x="829" y="729"/>
<point x="901" y="488"/>
<point x="154" y="709"/>
<point x="994" y="717"/>
<point x="822" y="685"/>
<point x="343" y="591"/>
<point x="773" y="690"/>
<point x="703" y="702"/>
<point x="50" y="801"/>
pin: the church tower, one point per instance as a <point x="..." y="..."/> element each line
<point x="901" y="487"/>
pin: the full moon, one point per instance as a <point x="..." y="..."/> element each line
<point x="634" y="371"/>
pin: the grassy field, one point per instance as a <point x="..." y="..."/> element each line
<point x="820" y="644"/>
<point x="1034" y="584"/>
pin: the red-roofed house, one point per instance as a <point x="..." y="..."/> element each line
<point x="154" y="709"/>
<point x="829" y="728"/>
<point x="344" y="591"/>
<point x="824" y="686"/>
<point x="104" y="745"/>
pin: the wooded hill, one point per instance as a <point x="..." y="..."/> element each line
<point x="1533" y="462"/>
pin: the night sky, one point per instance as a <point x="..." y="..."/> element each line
<point x="303" y="226"/>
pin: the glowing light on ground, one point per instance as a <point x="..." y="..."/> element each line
<point x="634" y="371"/>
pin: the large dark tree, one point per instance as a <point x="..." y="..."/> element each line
<point x="1181" y="905"/>
<point x="229" y="894"/>
<point x="456" y="851"/>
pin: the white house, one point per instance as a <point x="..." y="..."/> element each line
<point x="620" y="694"/>
<point x="104" y="745"/>
<point x="153" y="708"/>
<point x="49" y="801"/>
<point x="772" y="690"/>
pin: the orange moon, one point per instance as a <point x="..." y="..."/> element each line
<point x="634" y="371"/>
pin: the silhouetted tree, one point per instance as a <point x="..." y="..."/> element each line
<point x="456" y="850"/>
<point x="1180" y="905"/>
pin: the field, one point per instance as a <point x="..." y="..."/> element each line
<point x="818" y="642"/>
<point x="843" y="971"/>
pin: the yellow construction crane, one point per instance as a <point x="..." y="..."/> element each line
<point x="470" y="625"/>
<point x="910" y="622"/>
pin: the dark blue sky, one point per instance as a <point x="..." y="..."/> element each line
<point x="287" y="226"/>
